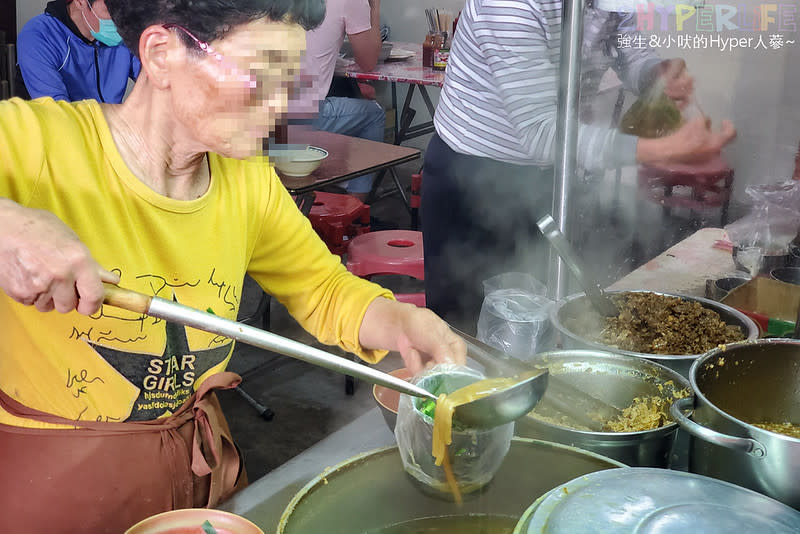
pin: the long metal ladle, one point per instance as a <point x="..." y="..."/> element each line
<point x="596" y="295"/>
<point x="577" y="405"/>
<point x="498" y="408"/>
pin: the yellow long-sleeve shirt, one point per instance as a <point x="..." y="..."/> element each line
<point x="121" y="366"/>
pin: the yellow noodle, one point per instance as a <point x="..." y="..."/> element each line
<point x="443" y="420"/>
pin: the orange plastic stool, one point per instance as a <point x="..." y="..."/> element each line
<point x="338" y="218"/>
<point x="389" y="252"/>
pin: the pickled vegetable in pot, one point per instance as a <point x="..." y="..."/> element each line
<point x="650" y="323"/>
<point x="787" y="429"/>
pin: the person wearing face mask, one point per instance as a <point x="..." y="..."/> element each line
<point x="73" y="52"/>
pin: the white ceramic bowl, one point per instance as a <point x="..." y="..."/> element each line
<point x="299" y="163"/>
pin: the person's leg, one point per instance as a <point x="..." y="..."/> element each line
<point x="451" y="239"/>
<point x="355" y="117"/>
<point x="478" y="220"/>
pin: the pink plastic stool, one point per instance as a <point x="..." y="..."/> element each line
<point x="338" y="218"/>
<point x="389" y="252"/>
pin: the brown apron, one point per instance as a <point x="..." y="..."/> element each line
<point x="103" y="477"/>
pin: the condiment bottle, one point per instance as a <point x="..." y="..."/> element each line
<point x="441" y="52"/>
<point x="427" y="50"/>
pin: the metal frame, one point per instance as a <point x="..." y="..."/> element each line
<point x="566" y="130"/>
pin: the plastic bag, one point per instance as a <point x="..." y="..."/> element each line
<point x="515" y="314"/>
<point x="773" y="220"/>
<point x="522" y="281"/>
<point x="653" y="114"/>
<point x="475" y="455"/>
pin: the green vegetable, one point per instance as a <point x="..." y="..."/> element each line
<point x="428" y="407"/>
<point x="209" y="310"/>
<point x="208" y="528"/>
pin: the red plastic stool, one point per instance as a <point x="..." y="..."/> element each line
<point x="338" y="218"/>
<point x="416" y="199"/>
<point x="389" y="252"/>
<point x="694" y="187"/>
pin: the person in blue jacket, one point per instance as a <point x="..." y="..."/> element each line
<point x="73" y="52"/>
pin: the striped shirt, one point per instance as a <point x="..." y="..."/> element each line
<point x="501" y="87"/>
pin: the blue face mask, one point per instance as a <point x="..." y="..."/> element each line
<point x="106" y="32"/>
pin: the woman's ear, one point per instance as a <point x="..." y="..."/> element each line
<point x="156" y="44"/>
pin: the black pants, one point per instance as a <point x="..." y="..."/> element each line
<point x="478" y="220"/>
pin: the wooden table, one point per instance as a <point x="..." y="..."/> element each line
<point x="411" y="72"/>
<point x="348" y="158"/>
<point x="684" y="267"/>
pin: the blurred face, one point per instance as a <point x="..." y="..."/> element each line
<point x="230" y="97"/>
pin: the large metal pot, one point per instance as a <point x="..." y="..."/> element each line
<point x="613" y="379"/>
<point x="737" y="385"/>
<point x="576" y="305"/>
<point x="370" y="492"/>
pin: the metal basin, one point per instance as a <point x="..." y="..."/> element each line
<point x="369" y="492"/>
<point x="790" y="275"/>
<point x="615" y="379"/>
<point x="576" y="305"/>
<point x="740" y="384"/>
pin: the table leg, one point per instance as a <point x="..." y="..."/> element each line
<point x="400" y="189"/>
<point x="406" y="116"/>
<point x="396" y="113"/>
<point x="424" y="92"/>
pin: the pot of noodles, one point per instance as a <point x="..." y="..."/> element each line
<point x="373" y="494"/>
<point x="745" y="423"/>
<point x="670" y="329"/>
<point x="627" y="416"/>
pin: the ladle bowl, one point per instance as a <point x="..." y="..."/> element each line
<point x="496" y="409"/>
<point x="597" y="296"/>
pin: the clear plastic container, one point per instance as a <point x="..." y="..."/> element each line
<point x="475" y="455"/>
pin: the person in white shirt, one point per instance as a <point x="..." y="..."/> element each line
<point x="361" y="117"/>
<point x="488" y="173"/>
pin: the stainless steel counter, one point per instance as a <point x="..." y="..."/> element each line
<point x="265" y="499"/>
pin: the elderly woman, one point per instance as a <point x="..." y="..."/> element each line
<point x="107" y="416"/>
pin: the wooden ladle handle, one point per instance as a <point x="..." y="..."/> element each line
<point x="126" y="298"/>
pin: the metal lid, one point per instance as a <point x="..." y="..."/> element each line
<point x="643" y="500"/>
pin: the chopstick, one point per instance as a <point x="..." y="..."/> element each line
<point x="439" y="20"/>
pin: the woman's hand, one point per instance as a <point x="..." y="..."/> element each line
<point x="43" y="263"/>
<point x="418" y="334"/>
<point x="694" y="142"/>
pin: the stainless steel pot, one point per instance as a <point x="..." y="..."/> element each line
<point x="577" y="305"/>
<point x="737" y="385"/>
<point x="370" y="492"/>
<point x="615" y="379"/>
